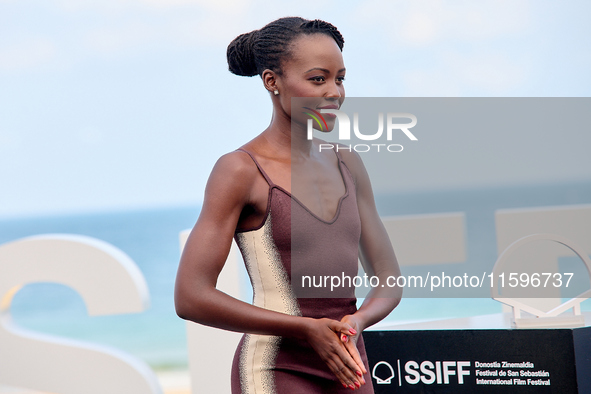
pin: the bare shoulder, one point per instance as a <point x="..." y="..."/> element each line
<point x="350" y="157"/>
<point x="353" y="162"/>
<point x="365" y="196"/>
<point x="236" y="164"/>
<point x="233" y="173"/>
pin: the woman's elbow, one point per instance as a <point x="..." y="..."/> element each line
<point x="186" y="305"/>
<point x="182" y="308"/>
<point x="192" y="306"/>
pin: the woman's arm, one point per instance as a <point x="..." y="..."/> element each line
<point x="375" y="251"/>
<point x="228" y="191"/>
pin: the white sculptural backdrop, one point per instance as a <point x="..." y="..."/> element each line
<point x="109" y="283"/>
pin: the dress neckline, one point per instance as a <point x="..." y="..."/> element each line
<point x="339" y="202"/>
<point x="273" y="185"/>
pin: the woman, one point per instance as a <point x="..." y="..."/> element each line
<point x="291" y="344"/>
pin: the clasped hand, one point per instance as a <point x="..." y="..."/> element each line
<point x="336" y="344"/>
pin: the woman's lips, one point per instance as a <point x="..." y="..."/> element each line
<point x="329" y="114"/>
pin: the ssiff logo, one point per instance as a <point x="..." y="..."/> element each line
<point x="427" y="372"/>
<point x="345" y="129"/>
<point x="383" y="373"/>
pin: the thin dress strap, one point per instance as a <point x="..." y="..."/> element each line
<point x="269" y="181"/>
<point x="339" y="158"/>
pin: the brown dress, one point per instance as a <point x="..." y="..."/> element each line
<point x="291" y="242"/>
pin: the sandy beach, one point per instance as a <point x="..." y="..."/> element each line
<point x="172" y="382"/>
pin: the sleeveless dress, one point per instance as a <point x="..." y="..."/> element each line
<point x="293" y="240"/>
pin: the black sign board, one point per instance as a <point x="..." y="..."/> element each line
<point x="480" y="361"/>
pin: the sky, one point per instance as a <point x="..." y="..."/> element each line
<point x="127" y="104"/>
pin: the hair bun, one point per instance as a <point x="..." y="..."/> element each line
<point x="266" y="49"/>
<point x="240" y="55"/>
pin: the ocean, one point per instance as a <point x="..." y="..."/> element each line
<point x="150" y="238"/>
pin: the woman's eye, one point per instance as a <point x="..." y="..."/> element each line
<point x="317" y="79"/>
<point x="341" y="79"/>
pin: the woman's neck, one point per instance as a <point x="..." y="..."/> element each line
<point x="291" y="138"/>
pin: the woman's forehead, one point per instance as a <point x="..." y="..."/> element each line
<point x="315" y="51"/>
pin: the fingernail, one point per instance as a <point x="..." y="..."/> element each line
<point x="362" y="380"/>
<point x="344" y="338"/>
<point x="344" y="385"/>
<point x="352" y="331"/>
<point x="352" y="387"/>
<point x="357" y="384"/>
<point x="359" y="373"/>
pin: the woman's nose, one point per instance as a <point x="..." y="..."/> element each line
<point x="334" y="90"/>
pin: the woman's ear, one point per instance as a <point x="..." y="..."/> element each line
<point x="270" y="81"/>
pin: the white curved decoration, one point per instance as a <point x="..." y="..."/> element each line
<point x="109" y="283"/>
<point x="570" y="221"/>
<point x="551" y="317"/>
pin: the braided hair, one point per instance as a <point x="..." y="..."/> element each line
<point x="251" y="53"/>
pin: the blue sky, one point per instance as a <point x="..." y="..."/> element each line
<point x="119" y="104"/>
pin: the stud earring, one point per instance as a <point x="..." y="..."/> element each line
<point x="276" y="92"/>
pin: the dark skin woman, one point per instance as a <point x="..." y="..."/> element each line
<point x="295" y="58"/>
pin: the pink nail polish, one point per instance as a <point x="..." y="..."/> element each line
<point x="352" y="387"/>
<point x="359" y="373"/>
<point x="344" y="338"/>
<point x="344" y="385"/>
<point x="352" y="331"/>
<point x="357" y="384"/>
